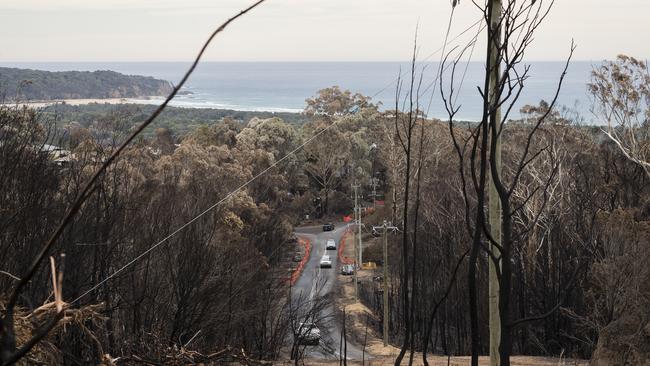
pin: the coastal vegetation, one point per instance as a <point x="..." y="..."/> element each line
<point x="180" y="121"/>
<point x="26" y="85"/>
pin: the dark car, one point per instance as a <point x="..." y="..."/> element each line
<point x="328" y="227"/>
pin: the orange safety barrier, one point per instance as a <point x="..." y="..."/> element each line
<point x="296" y="274"/>
<point x="365" y="211"/>
<point x="343" y="258"/>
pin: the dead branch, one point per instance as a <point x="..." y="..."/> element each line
<point x="7" y="337"/>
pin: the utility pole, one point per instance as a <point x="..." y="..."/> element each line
<point x="374" y="181"/>
<point x="494" y="205"/>
<point x="384" y="230"/>
<point x="357" y="219"/>
<point x="360" y="244"/>
<point x="394" y="208"/>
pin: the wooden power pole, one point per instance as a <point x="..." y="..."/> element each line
<point x="385" y="286"/>
<point x="384" y="229"/>
<point x="494" y="207"/>
<point x="357" y="220"/>
<point x="360" y="243"/>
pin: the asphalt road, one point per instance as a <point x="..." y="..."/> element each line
<point x="315" y="282"/>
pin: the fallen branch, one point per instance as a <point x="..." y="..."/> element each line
<point x="185" y="356"/>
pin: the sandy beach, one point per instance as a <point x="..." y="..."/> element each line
<point x="44" y="103"/>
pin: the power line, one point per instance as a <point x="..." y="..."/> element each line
<point x="204" y="212"/>
<point x="439" y="72"/>
<point x="442" y="55"/>
<point x="230" y="194"/>
<point x="432" y="54"/>
<point x="471" y="53"/>
<point x="88" y="186"/>
<point x="389" y="227"/>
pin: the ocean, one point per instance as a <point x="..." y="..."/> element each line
<point x="284" y="86"/>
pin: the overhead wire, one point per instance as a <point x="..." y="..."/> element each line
<point x="243" y="285"/>
<point x="242" y="186"/>
<point x="210" y="208"/>
<point x="470" y="27"/>
<point x="469" y="59"/>
<point x="442" y="55"/>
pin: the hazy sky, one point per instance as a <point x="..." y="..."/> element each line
<point x="295" y="30"/>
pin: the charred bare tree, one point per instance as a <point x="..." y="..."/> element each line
<point x="8" y="352"/>
<point x="510" y="38"/>
<point x="405" y="127"/>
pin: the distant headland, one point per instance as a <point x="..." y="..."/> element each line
<point x="37" y="85"/>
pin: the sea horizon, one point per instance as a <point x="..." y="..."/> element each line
<point x="278" y="86"/>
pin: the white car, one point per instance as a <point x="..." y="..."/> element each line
<point x="331" y="244"/>
<point x="347" y="270"/>
<point x="325" y="262"/>
<point x="307" y="333"/>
